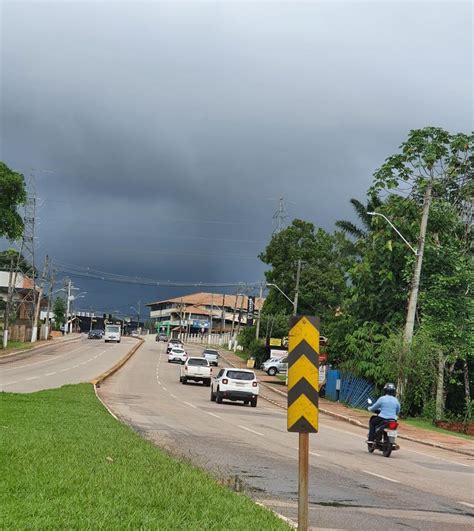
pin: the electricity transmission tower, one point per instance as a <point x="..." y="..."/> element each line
<point x="280" y="216"/>
<point x="25" y="264"/>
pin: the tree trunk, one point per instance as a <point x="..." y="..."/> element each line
<point x="440" y="387"/>
<point x="467" y="392"/>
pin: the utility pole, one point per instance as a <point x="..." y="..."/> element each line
<point x="233" y="316"/>
<point x="257" y="331"/>
<point x="240" y="319"/>
<point x="68" y="305"/>
<point x="210" y="318"/>
<point x="50" y="301"/>
<point x="297" y="289"/>
<point x="37" y="306"/>
<point x="8" y="306"/>
<point x="139" y="310"/>
<point x="223" y="313"/>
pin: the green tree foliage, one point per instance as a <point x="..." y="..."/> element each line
<point x="6" y="258"/>
<point x="322" y="276"/>
<point x="59" y="311"/>
<point x="12" y="195"/>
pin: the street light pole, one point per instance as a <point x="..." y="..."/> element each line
<point x="415" y="284"/>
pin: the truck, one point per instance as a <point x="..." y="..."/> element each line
<point x="112" y="333"/>
<point x="196" y="370"/>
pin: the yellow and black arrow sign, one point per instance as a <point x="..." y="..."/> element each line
<point x="303" y="374"/>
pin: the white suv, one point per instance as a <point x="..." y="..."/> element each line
<point x="275" y="365"/>
<point x="235" y="384"/>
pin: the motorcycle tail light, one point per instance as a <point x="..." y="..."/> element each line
<point x="254" y="384"/>
<point x="392" y="425"/>
<point x="225" y="381"/>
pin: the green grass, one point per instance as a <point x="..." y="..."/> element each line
<point x="67" y="464"/>
<point x="15" y="345"/>
<point x="428" y="425"/>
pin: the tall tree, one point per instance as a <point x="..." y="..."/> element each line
<point x="12" y="195"/>
<point x="322" y="274"/>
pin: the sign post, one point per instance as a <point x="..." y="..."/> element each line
<point x="303" y="389"/>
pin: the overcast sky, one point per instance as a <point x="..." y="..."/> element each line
<point x="170" y="129"/>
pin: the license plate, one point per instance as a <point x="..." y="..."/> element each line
<point x="240" y="384"/>
<point x="392" y="433"/>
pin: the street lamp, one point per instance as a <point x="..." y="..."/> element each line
<point x="293" y="302"/>
<point x="413" y="299"/>
<point x="414" y="251"/>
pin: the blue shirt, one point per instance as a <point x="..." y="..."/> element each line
<point x="389" y="407"/>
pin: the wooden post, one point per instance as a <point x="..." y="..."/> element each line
<point x="303" y="480"/>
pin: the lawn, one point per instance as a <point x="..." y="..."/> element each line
<point x="16" y="345"/>
<point x="67" y="464"/>
<point x="428" y="425"/>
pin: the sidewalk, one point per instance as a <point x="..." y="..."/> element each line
<point x="17" y="354"/>
<point x="356" y="416"/>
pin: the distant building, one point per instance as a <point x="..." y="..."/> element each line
<point x="198" y="312"/>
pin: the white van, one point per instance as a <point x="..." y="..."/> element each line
<point x="112" y="333"/>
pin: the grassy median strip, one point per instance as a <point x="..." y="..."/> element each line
<point x="67" y="464"/>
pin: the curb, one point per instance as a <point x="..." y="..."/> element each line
<point x="97" y="381"/>
<point x="23" y="354"/>
<point x="353" y="421"/>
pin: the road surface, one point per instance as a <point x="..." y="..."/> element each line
<point x="67" y="362"/>
<point x="417" y="488"/>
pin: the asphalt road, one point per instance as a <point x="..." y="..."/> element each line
<point x="417" y="488"/>
<point x="65" y="363"/>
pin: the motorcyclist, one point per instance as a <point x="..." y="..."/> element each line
<point x="388" y="407"/>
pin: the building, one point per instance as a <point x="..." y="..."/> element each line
<point x="202" y="312"/>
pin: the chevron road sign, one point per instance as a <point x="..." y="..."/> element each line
<point x="303" y="374"/>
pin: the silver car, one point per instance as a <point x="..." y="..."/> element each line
<point x="275" y="365"/>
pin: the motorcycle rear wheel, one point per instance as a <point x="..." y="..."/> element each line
<point x="387" y="446"/>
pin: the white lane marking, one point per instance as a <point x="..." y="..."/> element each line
<point x="174" y="396"/>
<point x="66" y="369"/>
<point x="75" y="366"/>
<point x="436" y="457"/>
<point x="251" y="431"/>
<point x="158" y="381"/>
<point x="467" y="504"/>
<point x="32" y="378"/>
<point x="404" y="449"/>
<point x="43" y="361"/>
<point x="212" y="414"/>
<point x="380" y="476"/>
<point x="11" y="383"/>
<point x="164" y="388"/>
<point x="191" y="405"/>
<point x="315" y="454"/>
<point x="50" y="373"/>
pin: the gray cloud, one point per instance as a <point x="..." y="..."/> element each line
<point x="159" y="118"/>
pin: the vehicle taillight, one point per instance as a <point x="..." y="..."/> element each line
<point x="392" y="425"/>
<point x="254" y="384"/>
<point x="225" y="381"/>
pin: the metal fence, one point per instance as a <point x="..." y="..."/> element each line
<point x="347" y="388"/>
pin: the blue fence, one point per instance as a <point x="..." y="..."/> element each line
<point x="347" y="388"/>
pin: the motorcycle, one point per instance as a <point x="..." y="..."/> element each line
<point x="385" y="436"/>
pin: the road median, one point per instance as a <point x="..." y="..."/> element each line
<point x="98" y="381"/>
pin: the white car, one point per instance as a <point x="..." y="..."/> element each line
<point x="211" y="355"/>
<point x="177" y="354"/>
<point x="196" y="370"/>
<point x="235" y="384"/>
<point x="172" y="343"/>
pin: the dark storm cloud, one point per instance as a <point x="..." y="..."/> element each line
<point x="159" y="119"/>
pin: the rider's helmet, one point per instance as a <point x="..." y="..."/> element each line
<point x="389" y="389"/>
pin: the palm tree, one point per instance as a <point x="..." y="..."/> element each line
<point x="361" y="211"/>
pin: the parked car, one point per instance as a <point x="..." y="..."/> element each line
<point x="177" y="354"/>
<point x="173" y="343"/>
<point x="161" y="337"/>
<point x="95" y="334"/>
<point x="196" y="370"/>
<point x="275" y="365"/>
<point x="211" y="355"/>
<point x="235" y="384"/>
